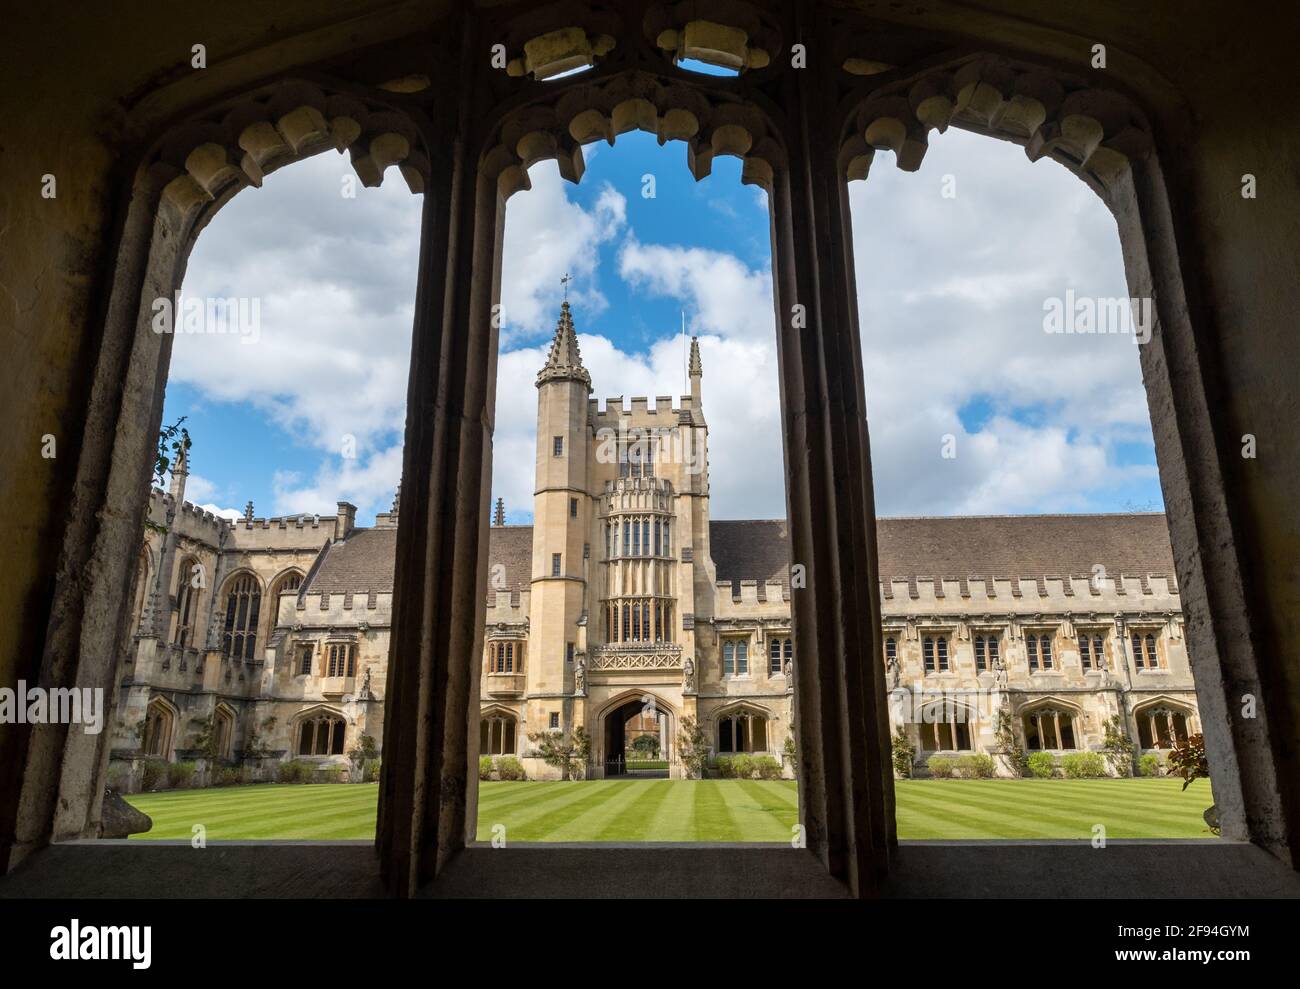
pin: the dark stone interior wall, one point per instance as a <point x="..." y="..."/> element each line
<point x="80" y="94"/>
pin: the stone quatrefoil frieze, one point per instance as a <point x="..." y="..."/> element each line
<point x="659" y="656"/>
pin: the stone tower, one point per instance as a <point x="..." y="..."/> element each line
<point x="561" y="520"/>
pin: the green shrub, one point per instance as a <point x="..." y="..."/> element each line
<point x="742" y="767"/>
<point x="976" y="767"/>
<point x="510" y="768"/>
<point x="1042" y="765"/>
<point x="1084" y="765"/>
<point x="903" y="754"/>
<point x="940" y="767"/>
<point x="294" y="771"/>
<point x="372" y="770"/>
<point x="767" y="768"/>
<point x="722" y="766"/>
<point x="228" y="776"/>
<point x="1149" y="765"/>
<point x="152" y="773"/>
<point x="180" y="774"/>
<point x="485" y="767"/>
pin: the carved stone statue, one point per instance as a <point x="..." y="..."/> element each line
<point x="365" y="694"/>
<point x="580" y="678"/>
<point x="895" y="671"/>
<point x="688" y="676"/>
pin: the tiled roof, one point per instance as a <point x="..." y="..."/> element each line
<point x="751" y="549"/>
<point x="968" y="546"/>
<point x="362" y="562"/>
<point x="511" y="546"/>
<point x="972" y="547"/>
<point x="1025" y="546"/>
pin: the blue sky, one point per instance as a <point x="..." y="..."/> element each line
<point x="951" y="296"/>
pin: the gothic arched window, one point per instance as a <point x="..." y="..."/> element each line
<point x="1049" y="728"/>
<point x="188" y="584"/>
<point x="321" y="735"/>
<point x="496" y="735"/>
<point x="744" y="731"/>
<point x="243" y="605"/>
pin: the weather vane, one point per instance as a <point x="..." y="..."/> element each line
<point x="565" y="282"/>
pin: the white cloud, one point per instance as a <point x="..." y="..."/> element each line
<point x="336" y="282"/>
<point x="951" y="298"/>
<point x="370" y="482"/>
<point x="546" y="236"/>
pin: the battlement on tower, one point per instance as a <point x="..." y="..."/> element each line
<point x="640" y="413"/>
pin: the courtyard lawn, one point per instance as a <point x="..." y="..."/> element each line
<point x="706" y="810"/>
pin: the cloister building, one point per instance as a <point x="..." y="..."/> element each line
<point x="625" y="609"/>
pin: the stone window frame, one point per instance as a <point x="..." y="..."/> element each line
<point x="505" y="651"/>
<point x="735" y="713"/>
<point x="189" y="601"/>
<point x="317" y="716"/>
<point x="937" y="652"/>
<point x="344" y="652"/>
<point x="853" y="844"/>
<point x="1041" y="652"/>
<point x="784" y="642"/>
<point x="252" y="625"/>
<point x="1050" y="705"/>
<point x="1157" y="705"/>
<point x="494" y="721"/>
<point x="736" y="641"/>
<point x="1095" y="636"/>
<point x="1151" y="658"/>
<point x="304" y="651"/>
<point x="956" y="726"/>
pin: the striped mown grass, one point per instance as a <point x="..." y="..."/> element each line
<point x="705" y="810"/>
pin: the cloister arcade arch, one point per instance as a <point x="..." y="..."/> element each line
<point x="802" y="134"/>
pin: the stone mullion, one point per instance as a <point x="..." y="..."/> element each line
<point x="441" y="565"/>
<point x="839" y="710"/>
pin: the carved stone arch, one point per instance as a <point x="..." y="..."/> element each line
<point x="224" y="722"/>
<point x="1044" y="723"/>
<point x="244" y="571"/>
<point x="238" y="613"/>
<point x="1162" y="720"/>
<point x="159" y="736"/>
<point x="741" y="727"/>
<point x="634" y="694"/>
<point x="499" y="731"/>
<point x="558" y="125"/>
<point x="319" y="730"/>
<point x="1094" y="132"/>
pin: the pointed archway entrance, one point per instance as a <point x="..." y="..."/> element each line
<point x="637" y="740"/>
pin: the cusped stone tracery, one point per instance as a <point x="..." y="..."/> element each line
<point x="1095" y="132"/>
<point x="631" y="101"/>
<point x="237" y="145"/>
